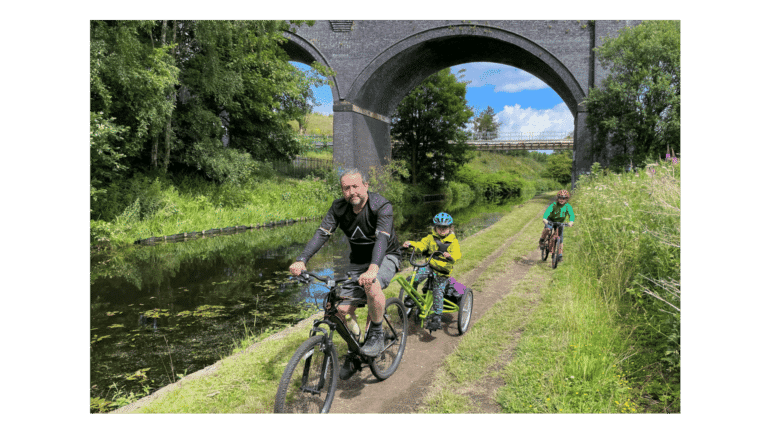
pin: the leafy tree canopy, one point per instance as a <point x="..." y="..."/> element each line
<point x="203" y="96"/>
<point x="485" y="125"/>
<point x="431" y="115"/>
<point x="637" y="109"/>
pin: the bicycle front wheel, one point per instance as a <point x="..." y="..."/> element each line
<point x="545" y="249"/>
<point x="309" y="381"/>
<point x="555" y="252"/>
<point x="395" y="326"/>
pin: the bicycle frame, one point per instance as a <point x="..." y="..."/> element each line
<point x="332" y="320"/>
<point x="553" y="236"/>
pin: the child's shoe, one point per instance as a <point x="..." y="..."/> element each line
<point x="434" y="322"/>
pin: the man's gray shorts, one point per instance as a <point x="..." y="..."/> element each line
<point x="387" y="271"/>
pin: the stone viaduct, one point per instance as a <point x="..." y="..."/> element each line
<point x="377" y="63"/>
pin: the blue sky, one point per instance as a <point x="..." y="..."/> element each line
<point x="522" y="102"/>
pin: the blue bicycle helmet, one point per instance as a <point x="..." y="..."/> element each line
<point x="443" y="219"/>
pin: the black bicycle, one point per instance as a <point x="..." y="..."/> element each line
<point x="552" y="242"/>
<point x="309" y="381"/>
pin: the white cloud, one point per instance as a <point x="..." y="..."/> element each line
<point x="515" y="119"/>
<point x="503" y="78"/>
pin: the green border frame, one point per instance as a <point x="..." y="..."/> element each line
<point x="45" y="63"/>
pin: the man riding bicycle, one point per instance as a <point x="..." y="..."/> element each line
<point x="366" y="219"/>
<point x="557" y="212"/>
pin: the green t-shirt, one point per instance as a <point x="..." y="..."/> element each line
<point x="557" y="213"/>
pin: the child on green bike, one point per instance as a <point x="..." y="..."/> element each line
<point x="557" y="212"/>
<point x="444" y="240"/>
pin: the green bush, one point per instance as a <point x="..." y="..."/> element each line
<point x="461" y="194"/>
<point x="385" y="180"/>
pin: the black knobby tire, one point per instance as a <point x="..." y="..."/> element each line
<point x="545" y="249"/>
<point x="465" y="310"/>
<point x="313" y="361"/>
<point x="555" y="253"/>
<point x="395" y="326"/>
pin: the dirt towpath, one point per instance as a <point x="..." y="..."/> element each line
<point x="403" y="392"/>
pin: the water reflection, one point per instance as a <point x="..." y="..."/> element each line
<point x="158" y="312"/>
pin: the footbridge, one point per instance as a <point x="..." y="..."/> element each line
<point x="377" y="63"/>
<point x="494" y="142"/>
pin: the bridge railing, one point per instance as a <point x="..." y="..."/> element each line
<point x="520" y="136"/>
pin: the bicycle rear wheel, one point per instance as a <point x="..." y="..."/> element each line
<point x="465" y="310"/>
<point x="395" y="326"/>
<point x="309" y="381"/>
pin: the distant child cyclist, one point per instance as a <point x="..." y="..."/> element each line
<point x="444" y="240"/>
<point x="557" y="212"/>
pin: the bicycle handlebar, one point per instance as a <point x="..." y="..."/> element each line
<point x="413" y="253"/>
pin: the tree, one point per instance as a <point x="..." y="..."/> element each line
<point x="193" y="96"/>
<point x="559" y="165"/>
<point x="485" y="125"/>
<point x="131" y="78"/>
<point x="426" y="120"/>
<point x="637" y="109"/>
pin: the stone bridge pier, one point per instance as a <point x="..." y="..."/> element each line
<point x="377" y="63"/>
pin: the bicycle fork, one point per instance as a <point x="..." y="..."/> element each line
<point x="315" y="390"/>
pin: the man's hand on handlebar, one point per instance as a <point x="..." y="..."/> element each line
<point x="297" y="267"/>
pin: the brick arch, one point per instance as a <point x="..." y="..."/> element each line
<point x="301" y="50"/>
<point x="386" y="80"/>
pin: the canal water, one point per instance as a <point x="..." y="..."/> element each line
<point x="161" y="312"/>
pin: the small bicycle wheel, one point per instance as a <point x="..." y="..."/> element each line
<point x="555" y="254"/>
<point x="395" y="326"/>
<point x="465" y="310"/>
<point x="309" y="381"/>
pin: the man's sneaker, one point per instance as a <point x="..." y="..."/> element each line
<point x="348" y="368"/>
<point x="434" y="322"/>
<point x="374" y="345"/>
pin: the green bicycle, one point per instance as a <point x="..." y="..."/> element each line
<point x="419" y="304"/>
